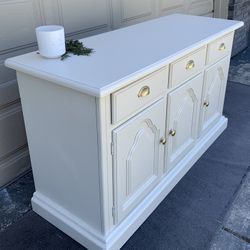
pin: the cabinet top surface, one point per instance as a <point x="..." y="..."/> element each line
<point x="126" y="54"/>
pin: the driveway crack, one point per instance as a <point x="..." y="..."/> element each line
<point x="236" y="234"/>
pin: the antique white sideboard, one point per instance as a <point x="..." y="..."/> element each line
<point x="111" y="134"/>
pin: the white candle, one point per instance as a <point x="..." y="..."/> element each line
<point x="51" y="41"/>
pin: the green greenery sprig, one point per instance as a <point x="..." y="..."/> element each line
<point x="77" y="48"/>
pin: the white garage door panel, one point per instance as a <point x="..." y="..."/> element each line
<point x="200" y="7"/>
<point x="167" y="7"/>
<point x="211" y="14"/>
<point x="18" y="21"/>
<point x="12" y="133"/>
<point x="6" y="74"/>
<point x="79" y="15"/>
<point x="127" y="12"/>
<point x="12" y="166"/>
<point x="8" y="84"/>
<point x="135" y="8"/>
<point x="8" y="92"/>
<point x="171" y="4"/>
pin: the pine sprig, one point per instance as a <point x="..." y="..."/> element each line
<point x="77" y="48"/>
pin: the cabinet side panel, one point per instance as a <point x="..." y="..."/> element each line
<point x="62" y="137"/>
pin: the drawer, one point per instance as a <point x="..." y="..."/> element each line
<point x="186" y="67"/>
<point x="220" y="48"/>
<point x="137" y="95"/>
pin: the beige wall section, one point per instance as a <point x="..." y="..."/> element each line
<point x="81" y="18"/>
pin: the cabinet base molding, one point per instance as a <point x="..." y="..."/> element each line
<point x="67" y="222"/>
<point x="94" y="240"/>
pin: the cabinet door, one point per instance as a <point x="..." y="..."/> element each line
<point x="213" y="94"/>
<point x="183" y="116"/>
<point x="138" y="157"/>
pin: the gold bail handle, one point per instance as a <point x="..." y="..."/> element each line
<point x="144" y="91"/>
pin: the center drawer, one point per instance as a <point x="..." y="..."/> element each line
<point x="186" y="67"/>
<point x="138" y="95"/>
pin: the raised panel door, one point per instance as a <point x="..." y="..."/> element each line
<point x="138" y="157"/>
<point x="183" y="116"/>
<point x="215" y="80"/>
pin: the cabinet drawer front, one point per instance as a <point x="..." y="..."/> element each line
<point x="220" y="48"/>
<point x="184" y="68"/>
<point x="136" y="96"/>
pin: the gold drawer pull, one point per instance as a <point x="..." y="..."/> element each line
<point x="222" y="47"/>
<point x="144" y="91"/>
<point x="163" y="141"/>
<point x="206" y="104"/>
<point x="172" y="132"/>
<point x="190" y="65"/>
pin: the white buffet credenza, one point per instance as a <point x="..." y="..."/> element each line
<point x="111" y="134"/>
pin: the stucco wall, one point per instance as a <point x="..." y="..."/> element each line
<point x="240" y="10"/>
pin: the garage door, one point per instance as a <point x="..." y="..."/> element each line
<point x="127" y="12"/>
<point x="18" y="19"/>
